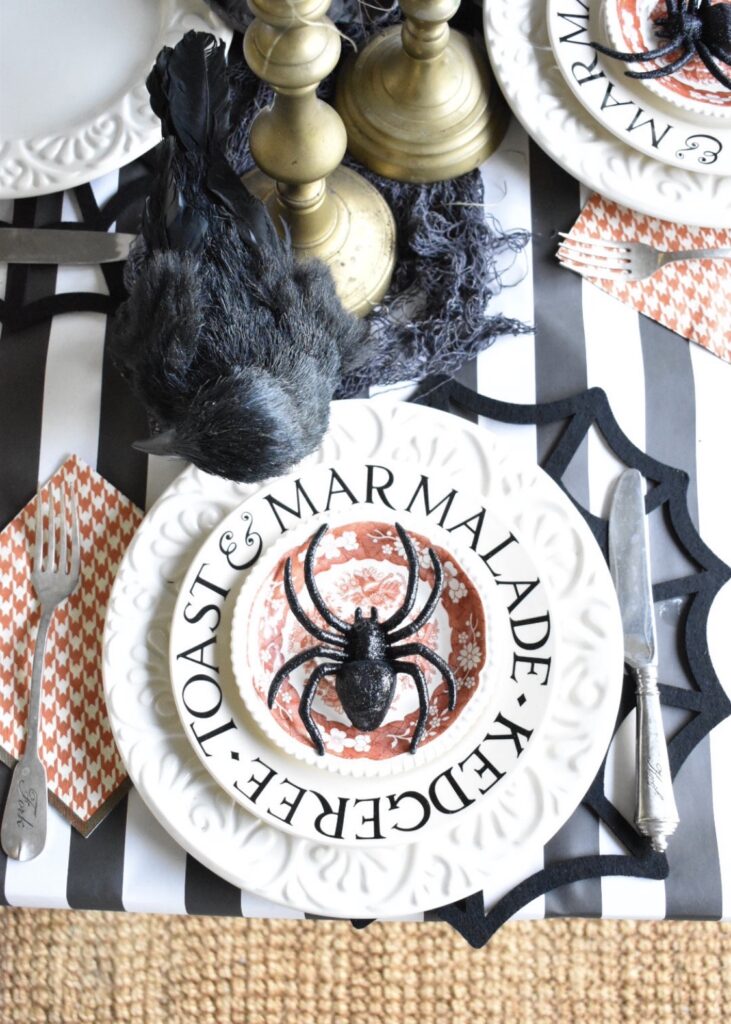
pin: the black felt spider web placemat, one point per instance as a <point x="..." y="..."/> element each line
<point x="705" y="700"/>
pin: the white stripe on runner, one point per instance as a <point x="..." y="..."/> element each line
<point x="613" y="362"/>
<point x="73" y="379"/>
<point x="507" y="370"/>
<point x="154" y="864"/>
<point x="6" y="214"/>
<point x="160" y="474"/>
<point x="41" y="882"/>
<point x="257" y="906"/>
<point x="713" y="429"/>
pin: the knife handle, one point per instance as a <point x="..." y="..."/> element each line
<point x="656" y="815"/>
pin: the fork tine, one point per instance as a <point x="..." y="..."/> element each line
<point x="566" y="255"/>
<point x="594" y="243"/>
<point x="38" y="544"/>
<point x="615" y="255"/>
<point x="585" y="270"/>
<point x="51" y="563"/>
<point x="63" y="558"/>
<point x="75" y="541"/>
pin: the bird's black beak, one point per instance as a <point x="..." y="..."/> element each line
<point x="160" y="444"/>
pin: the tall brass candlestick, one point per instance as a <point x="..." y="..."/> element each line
<point x="419" y="102"/>
<point x="298" y="142"/>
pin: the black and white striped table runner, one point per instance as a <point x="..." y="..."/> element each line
<point x="59" y="395"/>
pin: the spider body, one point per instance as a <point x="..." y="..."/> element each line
<point x="364" y="655"/>
<point x="366" y="683"/>
<point x="693" y="27"/>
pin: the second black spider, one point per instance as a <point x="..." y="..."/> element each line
<point x="364" y="655"/>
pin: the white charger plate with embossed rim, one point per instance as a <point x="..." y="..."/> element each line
<point x="523" y="810"/>
<point x="73" y="102"/>
<point x="522" y="58"/>
<point x="647" y="122"/>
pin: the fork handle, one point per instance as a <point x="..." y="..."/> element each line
<point x="723" y="253"/>
<point x="36" y="682"/>
<point x="23" y="827"/>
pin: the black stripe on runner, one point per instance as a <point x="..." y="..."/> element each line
<point x="22" y="377"/>
<point x="94" y="880"/>
<point x="206" y="893"/>
<point x="122" y="419"/>
<point x="467" y="375"/>
<point x="693" y="887"/>
<point x="560" y="355"/>
<point x="23" y="368"/>
<point x="96" y="864"/>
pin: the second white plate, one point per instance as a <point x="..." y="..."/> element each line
<point x="637" y="117"/>
<point x="516" y="32"/>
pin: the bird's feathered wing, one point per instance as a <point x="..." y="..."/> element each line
<point x="234" y="347"/>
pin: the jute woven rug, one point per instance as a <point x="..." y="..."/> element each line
<point x="99" y="968"/>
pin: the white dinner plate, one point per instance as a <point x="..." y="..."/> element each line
<point x="516" y="33"/>
<point x="73" y="102"/>
<point x="360" y="879"/>
<point x="472" y="614"/>
<point x="641" y="119"/>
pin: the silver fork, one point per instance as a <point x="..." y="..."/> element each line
<point x="55" y="577"/>
<point x="625" y="261"/>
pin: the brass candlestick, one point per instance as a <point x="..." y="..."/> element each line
<point x="298" y="142"/>
<point x="419" y="102"/>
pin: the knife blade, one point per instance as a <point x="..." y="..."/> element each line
<point x="63" y="246"/>
<point x="656" y="813"/>
<point x="629" y="563"/>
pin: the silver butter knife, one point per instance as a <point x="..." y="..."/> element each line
<point x="66" y="247"/>
<point x="656" y="814"/>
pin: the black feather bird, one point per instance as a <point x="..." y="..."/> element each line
<point x="234" y="347"/>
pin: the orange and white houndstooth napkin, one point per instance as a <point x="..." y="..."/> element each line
<point x="693" y="299"/>
<point x="86" y="776"/>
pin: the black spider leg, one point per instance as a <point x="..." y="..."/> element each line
<point x="434" y="659"/>
<point x="410" y="669"/>
<point x="329" y="617"/>
<point x="630" y="58"/>
<point x="707" y="53"/>
<point x="412" y="583"/>
<point x="294" y="662"/>
<point x="431" y="602"/>
<point x="308" y="695"/>
<point x="667" y="69"/>
<point x="300" y="614"/>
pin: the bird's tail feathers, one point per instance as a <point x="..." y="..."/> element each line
<point x="188" y="89"/>
<point x="168" y="220"/>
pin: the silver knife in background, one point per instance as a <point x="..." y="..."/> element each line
<point x="65" y="247"/>
<point x="656" y="814"/>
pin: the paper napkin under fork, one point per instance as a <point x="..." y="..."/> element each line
<point x="691" y="298"/>
<point x="86" y="776"/>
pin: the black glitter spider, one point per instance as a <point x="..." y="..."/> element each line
<point x="362" y="654"/>
<point x="694" y="27"/>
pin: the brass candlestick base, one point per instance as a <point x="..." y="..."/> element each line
<point x="298" y="142"/>
<point x="419" y="103"/>
<point x="348" y="226"/>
